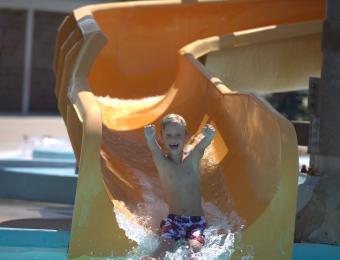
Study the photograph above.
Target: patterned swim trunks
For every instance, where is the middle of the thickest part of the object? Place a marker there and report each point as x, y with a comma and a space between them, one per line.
187, 227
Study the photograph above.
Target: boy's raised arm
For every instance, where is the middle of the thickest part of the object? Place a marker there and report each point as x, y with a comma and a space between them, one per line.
208, 133
150, 136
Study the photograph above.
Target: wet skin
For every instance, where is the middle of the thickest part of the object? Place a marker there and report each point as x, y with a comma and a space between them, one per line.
179, 173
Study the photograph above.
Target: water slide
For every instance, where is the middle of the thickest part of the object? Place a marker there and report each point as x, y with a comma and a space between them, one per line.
121, 66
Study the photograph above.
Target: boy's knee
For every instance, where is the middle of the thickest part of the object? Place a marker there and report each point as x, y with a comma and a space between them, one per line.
195, 245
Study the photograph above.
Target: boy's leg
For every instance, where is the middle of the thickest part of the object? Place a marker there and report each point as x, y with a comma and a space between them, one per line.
195, 233
170, 231
195, 245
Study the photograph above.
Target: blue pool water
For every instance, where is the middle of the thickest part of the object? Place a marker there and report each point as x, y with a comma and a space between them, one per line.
315, 251
30, 244
32, 253
33, 244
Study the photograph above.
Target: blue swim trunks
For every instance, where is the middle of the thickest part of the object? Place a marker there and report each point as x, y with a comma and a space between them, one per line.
187, 227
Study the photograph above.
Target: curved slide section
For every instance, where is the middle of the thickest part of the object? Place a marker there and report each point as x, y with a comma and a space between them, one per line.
124, 65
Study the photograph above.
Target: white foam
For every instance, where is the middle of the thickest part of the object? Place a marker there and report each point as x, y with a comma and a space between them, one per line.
11, 154
220, 241
142, 228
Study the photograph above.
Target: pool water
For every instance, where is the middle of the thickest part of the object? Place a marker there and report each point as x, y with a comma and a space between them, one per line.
315, 251
301, 252
33, 244
32, 253
27, 244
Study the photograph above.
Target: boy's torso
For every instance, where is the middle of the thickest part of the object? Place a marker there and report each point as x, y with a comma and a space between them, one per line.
181, 185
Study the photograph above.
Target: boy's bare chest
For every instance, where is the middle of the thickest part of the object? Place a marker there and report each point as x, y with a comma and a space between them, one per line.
180, 174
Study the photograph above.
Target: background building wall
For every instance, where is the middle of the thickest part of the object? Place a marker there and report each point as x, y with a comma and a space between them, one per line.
42, 98
12, 46
28, 31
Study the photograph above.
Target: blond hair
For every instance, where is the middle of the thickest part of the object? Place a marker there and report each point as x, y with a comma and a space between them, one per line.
173, 118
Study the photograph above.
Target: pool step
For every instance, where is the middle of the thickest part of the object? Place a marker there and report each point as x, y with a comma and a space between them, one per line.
20, 183
49, 176
53, 154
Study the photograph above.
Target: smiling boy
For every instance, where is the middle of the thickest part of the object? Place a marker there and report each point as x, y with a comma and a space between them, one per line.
180, 179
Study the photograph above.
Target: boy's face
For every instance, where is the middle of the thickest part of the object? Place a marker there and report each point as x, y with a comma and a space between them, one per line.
174, 137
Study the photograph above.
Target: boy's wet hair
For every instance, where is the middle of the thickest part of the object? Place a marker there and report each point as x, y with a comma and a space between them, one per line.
173, 118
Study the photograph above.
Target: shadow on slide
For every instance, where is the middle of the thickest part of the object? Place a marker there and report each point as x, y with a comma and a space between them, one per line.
124, 65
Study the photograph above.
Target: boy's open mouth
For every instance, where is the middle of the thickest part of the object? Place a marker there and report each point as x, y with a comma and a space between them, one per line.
173, 146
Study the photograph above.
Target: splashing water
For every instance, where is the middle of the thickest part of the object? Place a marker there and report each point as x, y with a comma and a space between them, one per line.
220, 241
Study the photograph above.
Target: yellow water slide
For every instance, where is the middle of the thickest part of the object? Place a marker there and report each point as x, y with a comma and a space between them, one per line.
121, 66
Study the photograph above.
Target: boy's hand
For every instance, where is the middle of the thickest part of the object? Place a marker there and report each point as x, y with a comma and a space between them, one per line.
209, 131
150, 136
150, 131
208, 134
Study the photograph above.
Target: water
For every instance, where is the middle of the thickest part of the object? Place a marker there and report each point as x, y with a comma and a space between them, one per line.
220, 243
34, 147
33, 244
41, 148
300, 252
220, 240
32, 253
315, 252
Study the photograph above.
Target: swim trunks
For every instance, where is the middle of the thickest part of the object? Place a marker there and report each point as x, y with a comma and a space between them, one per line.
187, 227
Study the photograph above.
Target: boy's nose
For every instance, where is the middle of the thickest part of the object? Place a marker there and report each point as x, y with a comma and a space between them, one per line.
172, 138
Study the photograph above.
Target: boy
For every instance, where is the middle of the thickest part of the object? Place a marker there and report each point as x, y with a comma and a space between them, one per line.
180, 179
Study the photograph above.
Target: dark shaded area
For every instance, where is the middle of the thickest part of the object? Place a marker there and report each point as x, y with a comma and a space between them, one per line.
302, 132
321, 214
39, 223
291, 104
309, 218
42, 80
12, 42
